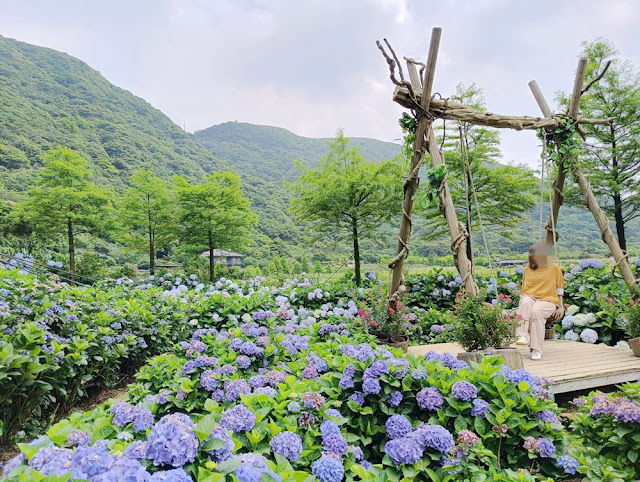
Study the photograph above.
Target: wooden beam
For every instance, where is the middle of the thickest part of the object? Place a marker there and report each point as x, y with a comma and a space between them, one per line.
450, 110
411, 184
620, 257
558, 182
456, 228
574, 106
416, 82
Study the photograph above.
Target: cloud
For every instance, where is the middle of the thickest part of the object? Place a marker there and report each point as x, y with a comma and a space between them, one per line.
312, 66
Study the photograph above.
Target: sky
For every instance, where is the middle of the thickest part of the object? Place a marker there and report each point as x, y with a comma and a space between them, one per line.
312, 66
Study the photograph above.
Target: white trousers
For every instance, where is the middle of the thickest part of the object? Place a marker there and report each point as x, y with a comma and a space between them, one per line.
533, 314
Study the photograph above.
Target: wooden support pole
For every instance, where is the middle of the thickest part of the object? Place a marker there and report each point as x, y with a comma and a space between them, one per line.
411, 184
542, 102
620, 256
456, 228
416, 82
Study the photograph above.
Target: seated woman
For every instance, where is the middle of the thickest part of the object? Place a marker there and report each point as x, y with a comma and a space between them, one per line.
541, 298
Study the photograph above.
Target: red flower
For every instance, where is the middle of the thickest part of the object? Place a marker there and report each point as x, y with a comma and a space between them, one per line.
372, 323
392, 311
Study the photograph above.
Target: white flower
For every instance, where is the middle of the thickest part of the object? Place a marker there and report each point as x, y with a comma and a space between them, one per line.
581, 319
572, 310
193, 322
571, 336
589, 336
622, 344
246, 317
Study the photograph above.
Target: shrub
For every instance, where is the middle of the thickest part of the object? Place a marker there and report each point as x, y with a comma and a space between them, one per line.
480, 325
632, 315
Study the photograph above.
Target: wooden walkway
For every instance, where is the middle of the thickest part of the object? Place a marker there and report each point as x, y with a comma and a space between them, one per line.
571, 365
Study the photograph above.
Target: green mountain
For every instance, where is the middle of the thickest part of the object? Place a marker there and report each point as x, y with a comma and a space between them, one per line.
49, 98
268, 152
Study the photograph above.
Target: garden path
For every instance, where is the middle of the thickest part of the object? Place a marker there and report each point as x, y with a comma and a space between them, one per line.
571, 365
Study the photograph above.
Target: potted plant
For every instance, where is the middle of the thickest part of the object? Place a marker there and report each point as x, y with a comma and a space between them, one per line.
483, 329
633, 326
387, 319
550, 329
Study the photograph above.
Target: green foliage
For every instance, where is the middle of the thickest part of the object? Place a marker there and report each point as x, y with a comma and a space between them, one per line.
346, 195
214, 214
609, 156
480, 325
147, 212
632, 314
65, 200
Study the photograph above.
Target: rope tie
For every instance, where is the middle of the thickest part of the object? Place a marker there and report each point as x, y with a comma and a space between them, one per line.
617, 265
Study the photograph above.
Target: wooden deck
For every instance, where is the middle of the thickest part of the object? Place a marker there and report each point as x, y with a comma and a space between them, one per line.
571, 365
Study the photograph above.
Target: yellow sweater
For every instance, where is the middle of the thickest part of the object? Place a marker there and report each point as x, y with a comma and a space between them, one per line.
544, 283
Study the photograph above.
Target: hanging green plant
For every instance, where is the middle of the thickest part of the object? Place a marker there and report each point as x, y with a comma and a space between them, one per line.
562, 144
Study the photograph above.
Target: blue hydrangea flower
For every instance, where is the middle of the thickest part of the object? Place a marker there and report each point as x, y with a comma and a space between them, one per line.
346, 382
143, 419
238, 419
293, 407
568, 463
223, 453
588, 335
371, 386
332, 412
480, 408
429, 399
335, 444
175, 475
173, 441
136, 450
329, 427
435, 437
398, 426
404, 450
243, 361
328, 469
590, 263
124, 468
547, 416
567, 322
79, 437
287, 444
92, 461
15, 461
234, 388
546, 448
464, 390
252, 467
394, 399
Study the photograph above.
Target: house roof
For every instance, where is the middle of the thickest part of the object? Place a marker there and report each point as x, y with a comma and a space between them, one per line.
222, 253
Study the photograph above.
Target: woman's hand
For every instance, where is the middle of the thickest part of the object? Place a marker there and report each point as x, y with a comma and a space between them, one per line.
559, 313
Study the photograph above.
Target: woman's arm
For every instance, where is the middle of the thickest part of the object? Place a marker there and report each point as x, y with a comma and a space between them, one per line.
559, 313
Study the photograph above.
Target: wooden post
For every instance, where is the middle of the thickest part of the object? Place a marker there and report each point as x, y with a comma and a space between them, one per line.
619, 255
456, 228
411, 184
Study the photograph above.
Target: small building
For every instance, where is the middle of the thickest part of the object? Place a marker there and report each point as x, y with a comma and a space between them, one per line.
225, 257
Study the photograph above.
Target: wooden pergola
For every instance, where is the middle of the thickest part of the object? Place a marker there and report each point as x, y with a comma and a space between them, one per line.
416, 94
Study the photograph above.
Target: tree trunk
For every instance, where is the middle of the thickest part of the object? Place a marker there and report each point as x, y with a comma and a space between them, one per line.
558, 199
356, 250
152, 256
211, 259
72, 250
617, 212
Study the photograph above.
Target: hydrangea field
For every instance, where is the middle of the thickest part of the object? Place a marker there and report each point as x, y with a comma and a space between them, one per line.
240, 381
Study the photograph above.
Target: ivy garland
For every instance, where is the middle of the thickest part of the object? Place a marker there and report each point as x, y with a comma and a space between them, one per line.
562, 143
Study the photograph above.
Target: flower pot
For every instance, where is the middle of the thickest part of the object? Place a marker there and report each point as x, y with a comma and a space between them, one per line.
550, 333
473, 356
511, 356
401, 342
634, 343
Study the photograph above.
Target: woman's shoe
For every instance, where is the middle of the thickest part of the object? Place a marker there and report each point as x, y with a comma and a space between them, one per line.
522, 340
536, 355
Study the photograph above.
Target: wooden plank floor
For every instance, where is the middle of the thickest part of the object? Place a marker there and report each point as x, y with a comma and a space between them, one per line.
571, 365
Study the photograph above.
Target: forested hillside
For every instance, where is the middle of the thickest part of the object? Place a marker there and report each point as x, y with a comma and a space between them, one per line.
49, 98
268, 152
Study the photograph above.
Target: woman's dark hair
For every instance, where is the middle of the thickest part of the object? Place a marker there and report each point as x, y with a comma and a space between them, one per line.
536, 249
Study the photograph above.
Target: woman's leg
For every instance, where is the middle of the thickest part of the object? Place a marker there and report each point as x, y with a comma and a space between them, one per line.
540, 312
525, 314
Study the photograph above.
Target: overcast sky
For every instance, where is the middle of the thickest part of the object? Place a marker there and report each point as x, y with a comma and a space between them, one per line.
312, 66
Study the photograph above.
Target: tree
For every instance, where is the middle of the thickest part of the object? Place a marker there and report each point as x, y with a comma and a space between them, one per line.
214, 214
347, 196
305, 265
611, 154
147, 210
504, 192
65, 200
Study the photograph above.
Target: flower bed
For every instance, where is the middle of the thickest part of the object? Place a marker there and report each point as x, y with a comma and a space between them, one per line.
263, 388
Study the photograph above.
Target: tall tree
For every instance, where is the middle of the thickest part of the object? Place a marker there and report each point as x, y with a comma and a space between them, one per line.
214, 214
347, 196
611, 154
504, 192
147, 212
65, 200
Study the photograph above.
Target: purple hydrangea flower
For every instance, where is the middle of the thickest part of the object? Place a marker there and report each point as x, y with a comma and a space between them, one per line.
394, 399
435, 437
335, 444
546, 448
79, 437
430, 399
310, 372
173, 441
175, 475
568, 463
124, 468
398, 426
346, 382
547, 416
358, 397
234, 388
328, 469
403, 450
223, 453
243, 362
313, 400
136, 450
287, 444
464, 390
371, 386
480, 408
238, 419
